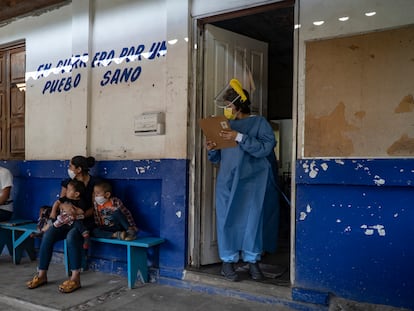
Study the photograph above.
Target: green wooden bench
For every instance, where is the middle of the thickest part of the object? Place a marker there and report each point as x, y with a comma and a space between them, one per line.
136, 256
15, 235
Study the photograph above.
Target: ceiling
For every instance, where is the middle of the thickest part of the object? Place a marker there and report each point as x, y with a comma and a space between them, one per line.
10, 9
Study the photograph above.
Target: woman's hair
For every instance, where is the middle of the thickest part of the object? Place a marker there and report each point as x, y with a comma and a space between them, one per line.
84, 163
243, 107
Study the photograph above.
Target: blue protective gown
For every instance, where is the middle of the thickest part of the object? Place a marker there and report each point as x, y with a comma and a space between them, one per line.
247, 203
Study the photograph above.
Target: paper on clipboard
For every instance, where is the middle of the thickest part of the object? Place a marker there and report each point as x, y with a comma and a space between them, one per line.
212, 126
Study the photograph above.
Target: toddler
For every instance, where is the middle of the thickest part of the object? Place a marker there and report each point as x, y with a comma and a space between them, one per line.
71, 210
112, 218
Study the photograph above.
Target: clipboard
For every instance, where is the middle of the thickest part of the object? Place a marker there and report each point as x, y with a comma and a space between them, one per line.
212, 126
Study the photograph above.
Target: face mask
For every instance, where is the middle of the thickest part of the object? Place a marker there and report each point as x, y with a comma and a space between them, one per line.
228, 113
71, 174
100, 200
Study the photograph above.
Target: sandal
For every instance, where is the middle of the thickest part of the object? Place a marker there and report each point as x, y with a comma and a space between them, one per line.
120, 235
69, 286
36, 282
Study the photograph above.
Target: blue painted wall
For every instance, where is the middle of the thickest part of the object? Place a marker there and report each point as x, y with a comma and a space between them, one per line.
355, 229
354, 220
155, 191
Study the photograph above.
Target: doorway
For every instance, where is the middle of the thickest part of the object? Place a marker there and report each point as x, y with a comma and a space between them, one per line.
274, 26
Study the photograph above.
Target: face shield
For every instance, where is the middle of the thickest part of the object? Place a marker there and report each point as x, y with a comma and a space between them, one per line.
231, 92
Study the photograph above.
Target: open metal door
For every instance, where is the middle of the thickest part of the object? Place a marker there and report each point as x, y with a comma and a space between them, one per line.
227, 55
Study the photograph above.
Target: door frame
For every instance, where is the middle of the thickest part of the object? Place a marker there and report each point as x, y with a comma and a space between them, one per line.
195, 138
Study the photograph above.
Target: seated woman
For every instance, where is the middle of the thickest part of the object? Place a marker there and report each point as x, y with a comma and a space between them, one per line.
78, 169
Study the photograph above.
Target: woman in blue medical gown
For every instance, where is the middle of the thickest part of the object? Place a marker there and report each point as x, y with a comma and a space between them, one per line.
247, 204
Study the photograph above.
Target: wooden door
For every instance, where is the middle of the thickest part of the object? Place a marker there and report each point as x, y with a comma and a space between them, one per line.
12, 101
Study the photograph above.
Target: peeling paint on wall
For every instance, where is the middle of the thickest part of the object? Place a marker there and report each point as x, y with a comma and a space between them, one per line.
311, 169
402, 147
303, 215
362, 166
370, 230
406, 104
354, 171
324, 166
379, 181
348, 229
141, 169
328, 134
360, 114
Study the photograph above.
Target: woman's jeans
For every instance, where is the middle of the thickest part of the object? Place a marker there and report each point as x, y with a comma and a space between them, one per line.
74, 243
5, 215
120, 224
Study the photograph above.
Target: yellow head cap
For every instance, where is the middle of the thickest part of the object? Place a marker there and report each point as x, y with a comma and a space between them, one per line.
236, 85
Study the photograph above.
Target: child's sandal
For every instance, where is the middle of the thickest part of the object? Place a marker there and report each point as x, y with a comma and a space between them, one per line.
36, 282
120, 235
130, 235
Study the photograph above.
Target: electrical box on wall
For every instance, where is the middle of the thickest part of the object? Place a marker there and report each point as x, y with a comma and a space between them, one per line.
150, 123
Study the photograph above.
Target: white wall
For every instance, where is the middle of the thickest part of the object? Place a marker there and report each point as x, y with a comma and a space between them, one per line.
119, 25
99, 120
97, 117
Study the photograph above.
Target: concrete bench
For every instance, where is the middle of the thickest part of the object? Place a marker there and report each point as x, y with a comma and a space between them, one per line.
15, 235
136, 256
